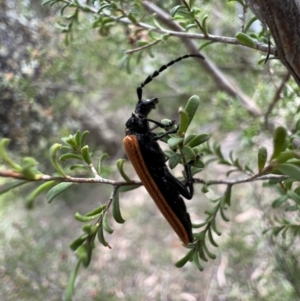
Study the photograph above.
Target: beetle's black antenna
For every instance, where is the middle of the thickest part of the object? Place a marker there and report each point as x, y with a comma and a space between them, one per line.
139, 90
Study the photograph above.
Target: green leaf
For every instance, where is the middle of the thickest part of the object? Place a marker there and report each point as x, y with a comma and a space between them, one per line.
68, 293
58, 189
84, 253
188, 153
279, 141
14, 184
287, 155
77, 137
176, 8
85, 153
174, 142
84, 218
227, 195
105, 224
251, 21
197, 140
210, 237
64, 157
78, 242
181, 262
96, 211
82, 138
184, 121
101, 237
5, 157
174, 160
120, 166
192, 106
294, 196
35, 193
204, 27
116, 209
53, 158
245, 39
129, 187
289, 170
209, 254
277, 202
100, 162
262, 158
197, 262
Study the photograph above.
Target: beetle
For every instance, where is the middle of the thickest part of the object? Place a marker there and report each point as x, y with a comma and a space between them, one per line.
149, 162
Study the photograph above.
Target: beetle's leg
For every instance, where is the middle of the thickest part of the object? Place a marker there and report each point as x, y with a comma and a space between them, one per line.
186, 190
159, 124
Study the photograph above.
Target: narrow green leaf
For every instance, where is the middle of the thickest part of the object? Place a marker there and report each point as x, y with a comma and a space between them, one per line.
35, 193
105, 224
116, 209
82, 138
197, 140
5, 157
192, 106
77, 137
100, 162
129, 187
188, 153
78, 242
174, 142
188, 138
210, 237
53, 158
277, 202
294, 196
174, 160
85, 153
251, 21
209, 254
262, 158
84, 218
96, 211
181, 262
197, 262
120, 166
204, 26
14, 184
245, 39
101, 237
176, 8
279, 141
84, 253
64, 157
289, 170
227, 195
184, 121
68, 293
58, 189
214, 226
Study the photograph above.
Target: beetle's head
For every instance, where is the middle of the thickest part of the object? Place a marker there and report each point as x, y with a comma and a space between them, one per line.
144, 107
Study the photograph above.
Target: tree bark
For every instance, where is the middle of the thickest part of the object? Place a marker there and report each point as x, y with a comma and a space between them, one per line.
283, 19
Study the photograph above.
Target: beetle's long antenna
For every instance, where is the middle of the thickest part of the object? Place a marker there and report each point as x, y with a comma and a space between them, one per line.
139, 90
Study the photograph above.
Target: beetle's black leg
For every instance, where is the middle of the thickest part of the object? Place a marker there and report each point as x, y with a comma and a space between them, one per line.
159, 124
188, 191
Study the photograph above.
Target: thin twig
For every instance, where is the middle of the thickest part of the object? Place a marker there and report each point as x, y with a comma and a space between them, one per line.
42, 178
276, 98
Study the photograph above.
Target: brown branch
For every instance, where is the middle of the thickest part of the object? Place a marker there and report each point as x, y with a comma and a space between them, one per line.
276, 98
220, 79
282, 18
43, 178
